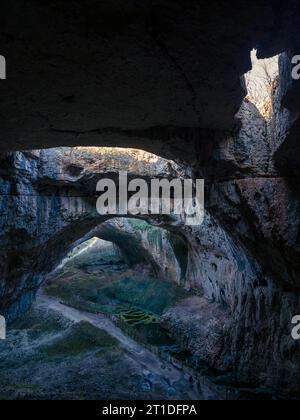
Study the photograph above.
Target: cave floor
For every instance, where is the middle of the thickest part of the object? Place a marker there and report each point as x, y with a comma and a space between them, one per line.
73, 350
94, 333
57, 352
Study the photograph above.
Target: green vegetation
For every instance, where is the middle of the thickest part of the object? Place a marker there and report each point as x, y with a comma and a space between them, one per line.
34, 325
136, 317
100, 282
82, 338
47, 356
78, 283
149, 294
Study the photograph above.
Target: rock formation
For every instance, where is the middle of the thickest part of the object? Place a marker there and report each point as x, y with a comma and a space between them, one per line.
164, 77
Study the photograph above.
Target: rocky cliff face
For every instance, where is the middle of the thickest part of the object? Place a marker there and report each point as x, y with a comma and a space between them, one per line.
241, 265
152, 75
48, 204
177, 99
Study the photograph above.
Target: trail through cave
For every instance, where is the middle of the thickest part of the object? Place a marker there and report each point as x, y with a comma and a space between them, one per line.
95, 310
218, 272
159, 89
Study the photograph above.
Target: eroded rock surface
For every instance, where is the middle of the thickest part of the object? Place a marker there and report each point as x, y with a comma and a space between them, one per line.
165, 77
149, 75
241, 263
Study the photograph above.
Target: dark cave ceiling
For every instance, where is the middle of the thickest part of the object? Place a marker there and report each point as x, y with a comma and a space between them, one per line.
130, 73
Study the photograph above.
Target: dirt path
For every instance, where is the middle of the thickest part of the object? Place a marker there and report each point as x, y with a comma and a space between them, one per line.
148, 361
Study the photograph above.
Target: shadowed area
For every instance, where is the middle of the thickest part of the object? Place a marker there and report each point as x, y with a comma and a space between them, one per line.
157, 89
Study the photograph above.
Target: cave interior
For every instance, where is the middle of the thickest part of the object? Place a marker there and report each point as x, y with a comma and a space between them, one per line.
159, 89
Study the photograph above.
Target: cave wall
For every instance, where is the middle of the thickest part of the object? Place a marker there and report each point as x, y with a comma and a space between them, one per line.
152, 75
178, 70
235, 264
48, 205
287, 123
154, 248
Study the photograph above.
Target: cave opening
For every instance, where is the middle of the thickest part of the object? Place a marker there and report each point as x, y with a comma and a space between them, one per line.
262, 82
156, 283
159, 310
106, 285
132, 278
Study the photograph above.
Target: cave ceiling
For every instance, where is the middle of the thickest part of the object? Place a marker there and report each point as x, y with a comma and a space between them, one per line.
154, 75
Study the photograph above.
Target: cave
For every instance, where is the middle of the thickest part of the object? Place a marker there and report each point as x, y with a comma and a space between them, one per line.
158, 89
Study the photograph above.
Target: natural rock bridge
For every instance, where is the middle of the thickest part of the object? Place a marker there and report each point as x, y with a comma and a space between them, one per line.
164, 77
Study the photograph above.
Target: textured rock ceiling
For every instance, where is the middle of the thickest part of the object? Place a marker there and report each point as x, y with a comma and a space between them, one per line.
129, 73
